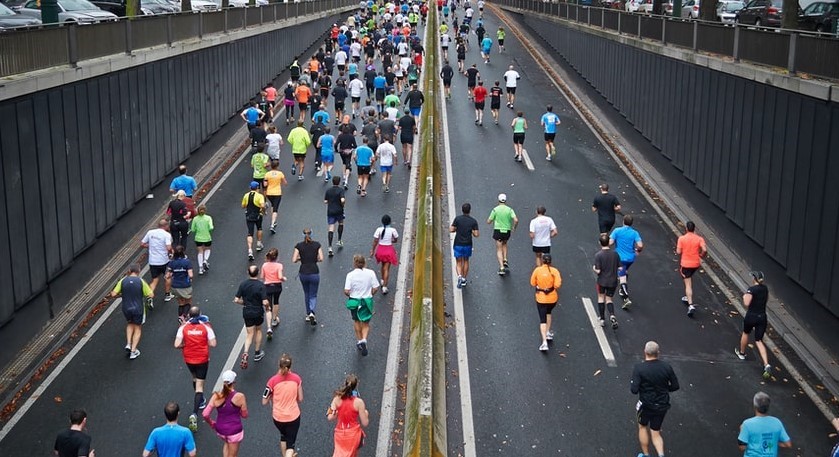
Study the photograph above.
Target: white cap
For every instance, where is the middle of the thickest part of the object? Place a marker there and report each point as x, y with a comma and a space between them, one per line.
228, 377
502, 198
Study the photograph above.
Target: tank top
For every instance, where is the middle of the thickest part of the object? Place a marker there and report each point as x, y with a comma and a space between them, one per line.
229, 419
518, 127
272, 272
347, 415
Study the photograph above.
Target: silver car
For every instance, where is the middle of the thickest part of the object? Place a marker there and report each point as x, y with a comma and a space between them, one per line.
727, 10
70, 11
690, 9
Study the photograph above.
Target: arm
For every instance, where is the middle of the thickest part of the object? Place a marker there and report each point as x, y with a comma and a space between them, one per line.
295, 257
242, 403
476, 233
375, 243
299, 393
320, 254
332, 410
635, 382
363, 414
212, 342
639, 246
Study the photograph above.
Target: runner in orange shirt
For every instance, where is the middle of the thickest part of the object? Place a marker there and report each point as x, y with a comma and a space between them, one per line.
302, 95
691, 247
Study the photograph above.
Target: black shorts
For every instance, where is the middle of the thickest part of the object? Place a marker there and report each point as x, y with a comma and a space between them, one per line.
273, 291
605, 226
544, 310
198, 370
134, 316
518, 138
346, 159
275, 201
253, 320
303, 106
500, 236
756, 322
356, 99
288, 431
205, 244
501, 42
342, 67
607, 291
480, 105
687, 272
550, 136
447, 82
495, 104
354, 315
652, 418
461, 57
380, 95
157, 270
511, 90
363, 170
542, 249
254, 226
339, 105
406, 139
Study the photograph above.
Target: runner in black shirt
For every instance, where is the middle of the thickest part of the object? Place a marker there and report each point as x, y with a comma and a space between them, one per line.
495, 94
605, 205
339, 93
407, 127
465, 227
606, 263
346, 147
652, 381
335, 198
447, 73
472, 76
754, 299
73, 442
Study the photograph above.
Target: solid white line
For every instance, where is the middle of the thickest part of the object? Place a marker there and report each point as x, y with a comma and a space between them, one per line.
599, 333
233, 357
459, 317
390, 386
527, 162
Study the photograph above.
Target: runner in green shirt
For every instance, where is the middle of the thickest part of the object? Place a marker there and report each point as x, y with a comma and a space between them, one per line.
259, 163
202, 232
499, 36
299, 140
504, 221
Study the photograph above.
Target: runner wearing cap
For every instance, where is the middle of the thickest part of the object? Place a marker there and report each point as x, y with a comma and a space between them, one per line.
231, 407
754, 299
504, 221
254, 204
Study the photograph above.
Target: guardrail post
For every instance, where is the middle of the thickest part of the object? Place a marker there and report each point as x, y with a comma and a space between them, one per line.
736, 53
603, 18
664, 30
261, 16
169, 30
226, 29
129, 45
695, 35
619, 22
274, 7
793, 44
72, 45
200, 25
588, 19
639, 25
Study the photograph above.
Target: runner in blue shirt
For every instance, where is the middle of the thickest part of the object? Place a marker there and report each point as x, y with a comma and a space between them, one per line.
252, 115
321, 116
171, 439
549, 123
326, 143
486, 47
364, 158
183, 182
627, 242
379, 89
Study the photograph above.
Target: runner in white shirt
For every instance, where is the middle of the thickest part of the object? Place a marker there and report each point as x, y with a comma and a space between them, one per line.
469, 13
399, 19
511, 78
159, 243
402, 48
359, 287
386, 156
445, 39
542, 229
383, 250
274, 141
355, 51
341, 61
356, 89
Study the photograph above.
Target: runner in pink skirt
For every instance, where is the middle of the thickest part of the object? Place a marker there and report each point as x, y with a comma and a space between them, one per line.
383, 250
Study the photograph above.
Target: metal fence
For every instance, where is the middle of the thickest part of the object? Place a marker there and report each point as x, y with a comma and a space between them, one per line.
793, 50
31, 49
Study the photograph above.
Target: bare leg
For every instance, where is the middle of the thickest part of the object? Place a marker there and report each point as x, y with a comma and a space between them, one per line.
644, 439
761, 348
658, 442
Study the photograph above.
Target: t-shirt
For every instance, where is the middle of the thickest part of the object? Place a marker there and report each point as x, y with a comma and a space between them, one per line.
273, 141
258, 135
184, 183
274, 178
541, 228
72, 443
760, 295
272, 272
283, 391
511, 78
346, 142
252, 115
386, 153
253, 211
196, 342
546, 278
356, 88
387, 127
471, 76
607, 261
447, 72
308, 257
406, 127
132, 289
333, 198
486, 44
495, 93
386, 235
159, 242
480, 94
180, 272
549, 120
605, 205
302, 94
445, 39
327, 145
170, 440
414, 99
321, 117
502, 217
626, 238
360, 282
690, 245
761, 435
252, 292
299, 140
363, 156
653, 380
259, 162
464, 225
202, 228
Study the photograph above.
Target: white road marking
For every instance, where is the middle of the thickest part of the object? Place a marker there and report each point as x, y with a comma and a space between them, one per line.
527, 162
599, 333
390, 386
233, 357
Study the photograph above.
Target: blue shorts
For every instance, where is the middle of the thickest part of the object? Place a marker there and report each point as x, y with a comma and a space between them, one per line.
462, 252
415, 111
624, 267
386, 168
327, 158
334, 219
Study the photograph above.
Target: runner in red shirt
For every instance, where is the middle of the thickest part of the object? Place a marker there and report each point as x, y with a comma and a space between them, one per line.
196, 337
479, 94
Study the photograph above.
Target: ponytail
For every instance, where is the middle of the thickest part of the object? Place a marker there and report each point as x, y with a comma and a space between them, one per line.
385, 224
307, 235
285, 364
346, 390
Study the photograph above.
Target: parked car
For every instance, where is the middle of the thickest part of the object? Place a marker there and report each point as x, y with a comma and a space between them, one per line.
78, 11
667, 8
9, 18
690, 9
243, 3
727, 10
761, 12
639, 6
819, 16
147, 7
197, 5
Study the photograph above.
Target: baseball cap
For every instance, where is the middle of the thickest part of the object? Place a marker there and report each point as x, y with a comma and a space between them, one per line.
502, 198
758, 275
228, 377
254, 185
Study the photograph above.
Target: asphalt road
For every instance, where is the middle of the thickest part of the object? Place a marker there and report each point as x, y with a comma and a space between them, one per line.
569, 401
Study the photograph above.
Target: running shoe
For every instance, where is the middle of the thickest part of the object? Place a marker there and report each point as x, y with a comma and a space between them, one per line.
259, 246
549, 336
243, 364
127, 349
544, 346
326, 177
206, 266
358, 345
200, 272
685, 299
363, 192
465, 282
294, 169
740, 355
250, 256
150, 302
460, 282
502, 272
548, 158
614, 321
387, 189
269, 334
602, 323
358, 190
273, 229
626, 303
340, 244
168, 296
193, 423
767, 371
553, 150
346, 187
364, 350
307, 318
299, 177
691, 310
275, 322
384, 290
506, 265
134, 354
312, 319
258, 355
331, 253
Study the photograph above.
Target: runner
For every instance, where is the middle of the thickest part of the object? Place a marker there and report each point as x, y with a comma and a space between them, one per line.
253, 297
479, 94
308, 252
755, 299
364, 158
326, 144
183, 182
270, 95
465, 227
606, 264
334, 199
232, 407
284, 391
315, 131
547, 281
386, 156
202, 231
274, 143
380, 88
195, 337
179, 275
350, 415
511, 78
359, 287
288, 102
691, 247
447, 73
383, 250
762, 435
519, 126
460, 48
414, 99
542, 229
652, 381
486, 48
339, 93
302, 94
159, 243
472, 77
605, 205
134, 292
272, 276
260, 163
74, 442
171, 439
407, 128
346, 147
499, 36
294, 69
356, 88
251, 115
495, 93
445, 40
549, 122
299, 140
273, 182
504, 222
628, 244
254, 204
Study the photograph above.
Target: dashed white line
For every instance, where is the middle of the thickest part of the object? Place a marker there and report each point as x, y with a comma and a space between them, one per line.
527, 162
599, 333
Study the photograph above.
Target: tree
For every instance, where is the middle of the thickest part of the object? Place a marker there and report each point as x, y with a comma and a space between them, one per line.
790, 16
708, 10
186, 5
132, 8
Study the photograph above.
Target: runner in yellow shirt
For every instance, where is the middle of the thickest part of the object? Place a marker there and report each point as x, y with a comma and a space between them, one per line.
274, 182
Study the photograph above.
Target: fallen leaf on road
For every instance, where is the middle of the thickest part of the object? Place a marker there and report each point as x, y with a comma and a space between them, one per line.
58, 399
597, 372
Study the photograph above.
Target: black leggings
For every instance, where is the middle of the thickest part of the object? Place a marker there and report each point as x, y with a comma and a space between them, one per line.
288, 431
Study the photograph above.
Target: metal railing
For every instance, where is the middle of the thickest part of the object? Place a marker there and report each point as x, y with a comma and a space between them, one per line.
29, 49
793, 50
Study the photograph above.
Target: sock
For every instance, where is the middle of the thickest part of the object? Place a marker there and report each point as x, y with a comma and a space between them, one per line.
206, 255
625, 289
329, 237
601, 308
340, 231
611, 307
200, 260
197, 402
